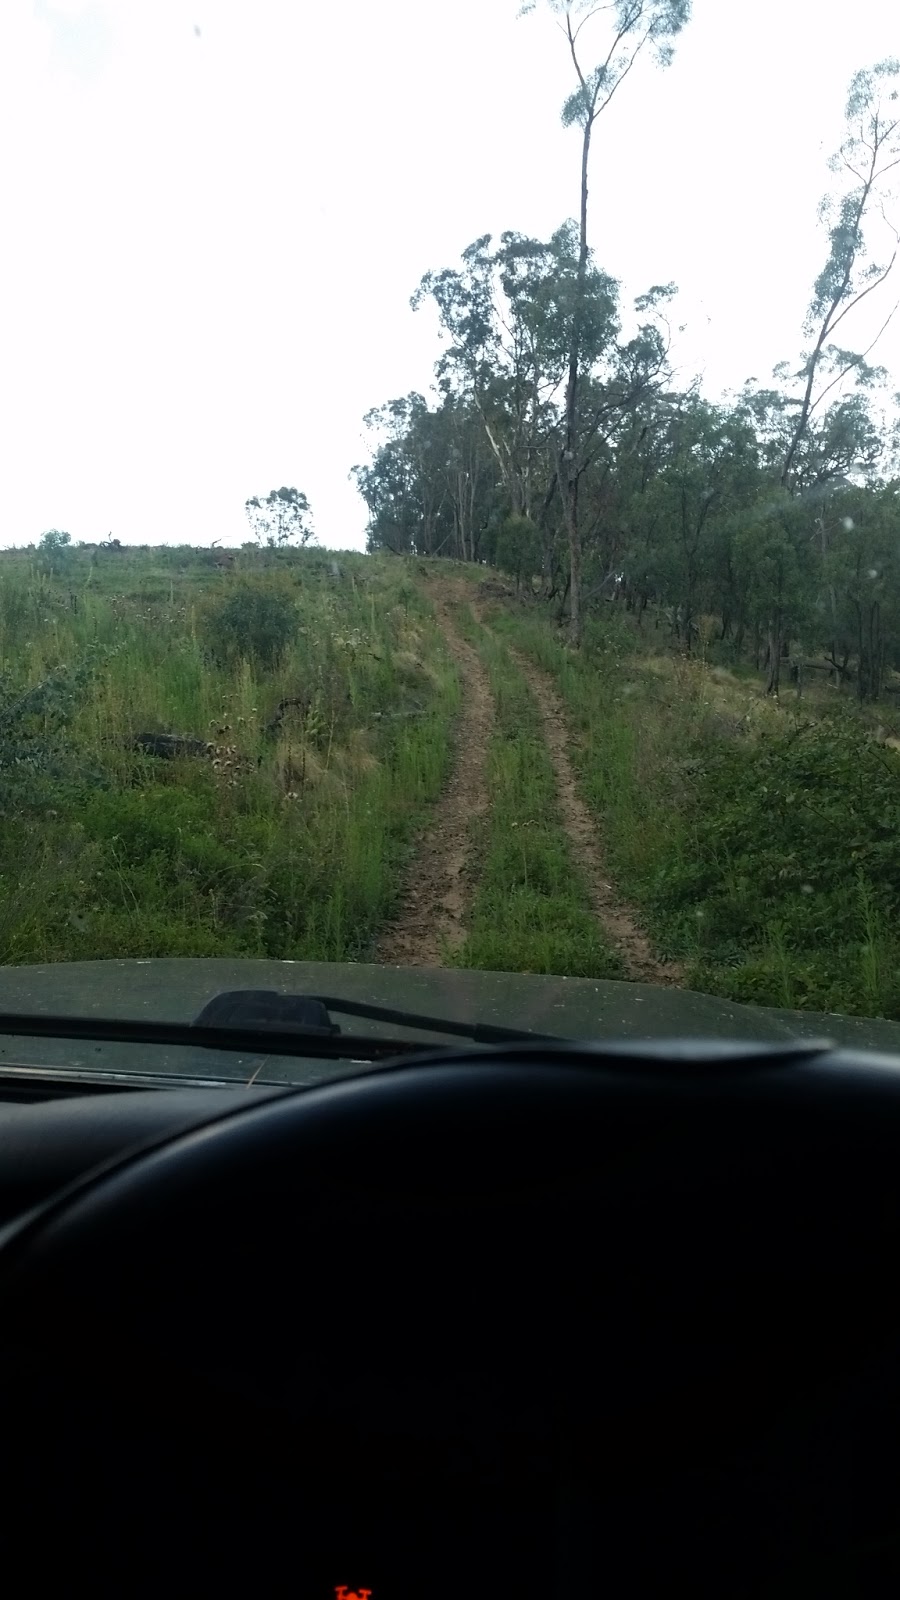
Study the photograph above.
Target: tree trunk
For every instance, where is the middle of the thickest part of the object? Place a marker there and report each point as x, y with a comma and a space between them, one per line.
871, 654
852, 231
838, 668
775, 642
569, 466
876, 650
861, 674
574, 584
687, 613
475, 542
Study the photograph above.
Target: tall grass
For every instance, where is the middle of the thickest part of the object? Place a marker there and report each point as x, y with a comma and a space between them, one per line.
876, 956
291, 844
627, 751
763, 848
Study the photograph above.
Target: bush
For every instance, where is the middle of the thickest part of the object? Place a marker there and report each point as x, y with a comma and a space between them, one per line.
518, 547
55, 548
254, 621
37, 759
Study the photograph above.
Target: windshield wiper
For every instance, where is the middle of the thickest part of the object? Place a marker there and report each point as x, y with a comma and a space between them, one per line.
266, 1008
293, 1025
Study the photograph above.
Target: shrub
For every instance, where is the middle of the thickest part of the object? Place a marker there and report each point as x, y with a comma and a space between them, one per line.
55, 548
254, 621
518, 547
36, 753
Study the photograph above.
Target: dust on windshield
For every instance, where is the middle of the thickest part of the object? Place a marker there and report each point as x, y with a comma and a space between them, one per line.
450, 510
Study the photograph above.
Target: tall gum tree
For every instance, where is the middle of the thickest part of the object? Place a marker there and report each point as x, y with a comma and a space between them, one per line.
506, 314
632, 28
867, 166
829, 444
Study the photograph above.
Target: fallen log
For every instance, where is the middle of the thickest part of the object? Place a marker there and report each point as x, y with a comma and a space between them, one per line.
393, 716
169, 746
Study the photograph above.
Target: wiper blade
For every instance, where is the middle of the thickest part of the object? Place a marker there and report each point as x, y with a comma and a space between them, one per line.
281, 1038
246, 1041
479, 1032
264, 1008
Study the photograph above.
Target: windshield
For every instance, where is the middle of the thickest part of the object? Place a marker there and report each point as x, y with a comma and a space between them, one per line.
450, 517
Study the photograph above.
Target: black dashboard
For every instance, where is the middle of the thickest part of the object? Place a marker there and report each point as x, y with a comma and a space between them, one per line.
49, 1143
529, 1321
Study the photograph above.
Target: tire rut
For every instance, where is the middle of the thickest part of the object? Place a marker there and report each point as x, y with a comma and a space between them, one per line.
617, 919
432, 917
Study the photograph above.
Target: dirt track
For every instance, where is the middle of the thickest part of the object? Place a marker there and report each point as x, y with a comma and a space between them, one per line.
432, 915
432, 919
615, 918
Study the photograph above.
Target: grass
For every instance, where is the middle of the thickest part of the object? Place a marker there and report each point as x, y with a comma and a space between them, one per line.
530, 912
762, 843
626, 751
286, 843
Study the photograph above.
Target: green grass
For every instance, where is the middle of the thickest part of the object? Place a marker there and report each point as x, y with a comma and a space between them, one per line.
626, 751
291, 847
769, 864
530, 912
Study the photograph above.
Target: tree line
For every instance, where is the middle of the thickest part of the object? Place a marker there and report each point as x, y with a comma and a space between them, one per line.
559, 446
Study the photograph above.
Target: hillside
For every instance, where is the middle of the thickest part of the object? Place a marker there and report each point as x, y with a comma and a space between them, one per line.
295, 754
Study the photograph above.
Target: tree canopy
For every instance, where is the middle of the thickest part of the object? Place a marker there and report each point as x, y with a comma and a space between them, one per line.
771, 516
281, 518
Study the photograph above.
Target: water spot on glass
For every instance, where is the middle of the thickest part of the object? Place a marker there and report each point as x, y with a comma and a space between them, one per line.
848, 524
806, 888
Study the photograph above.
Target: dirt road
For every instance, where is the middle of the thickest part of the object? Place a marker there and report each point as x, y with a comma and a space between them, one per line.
618, 921
431, 920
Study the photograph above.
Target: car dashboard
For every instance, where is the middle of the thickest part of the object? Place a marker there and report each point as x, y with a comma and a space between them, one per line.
539, 1320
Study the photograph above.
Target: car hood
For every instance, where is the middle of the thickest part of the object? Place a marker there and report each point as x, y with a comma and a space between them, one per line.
175, 991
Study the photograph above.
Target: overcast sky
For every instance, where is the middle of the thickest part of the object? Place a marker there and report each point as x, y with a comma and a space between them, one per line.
215, 213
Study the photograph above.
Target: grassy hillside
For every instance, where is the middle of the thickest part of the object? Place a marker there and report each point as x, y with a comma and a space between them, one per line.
760, 839
286, 836
755, 843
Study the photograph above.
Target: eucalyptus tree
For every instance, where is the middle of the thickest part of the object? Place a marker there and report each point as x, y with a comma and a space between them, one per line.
504, 313
280, 517
630, 29
866, 166
818, 431
402, 484
430, 486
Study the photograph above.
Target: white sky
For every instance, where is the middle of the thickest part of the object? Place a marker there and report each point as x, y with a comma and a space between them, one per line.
211, 239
